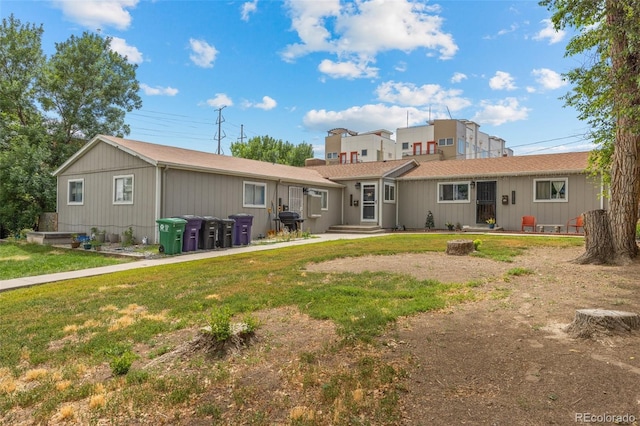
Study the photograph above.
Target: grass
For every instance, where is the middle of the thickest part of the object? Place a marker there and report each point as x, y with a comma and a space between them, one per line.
74, 326
23, 260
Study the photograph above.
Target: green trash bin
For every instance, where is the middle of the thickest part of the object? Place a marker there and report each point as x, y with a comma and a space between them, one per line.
171, 231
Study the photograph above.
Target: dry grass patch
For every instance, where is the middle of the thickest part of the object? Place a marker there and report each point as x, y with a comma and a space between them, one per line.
35, 374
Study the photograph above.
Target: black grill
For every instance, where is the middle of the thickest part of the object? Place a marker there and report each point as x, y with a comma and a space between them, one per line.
291, 220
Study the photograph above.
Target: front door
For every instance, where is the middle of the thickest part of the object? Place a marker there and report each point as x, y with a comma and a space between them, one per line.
369, 202
485, 201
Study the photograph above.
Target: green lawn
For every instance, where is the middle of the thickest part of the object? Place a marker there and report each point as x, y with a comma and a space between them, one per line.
24, 260
94, 320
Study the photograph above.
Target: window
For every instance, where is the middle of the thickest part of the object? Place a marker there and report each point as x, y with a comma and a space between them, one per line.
550, 190
461, 146
76, 192
332, 156
324, 198
254, 194
389, 193
123, 189
405, 145
455, 192
363, 153
445, 142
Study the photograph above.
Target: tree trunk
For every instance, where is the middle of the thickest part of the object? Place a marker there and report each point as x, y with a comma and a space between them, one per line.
598, 239
625, 168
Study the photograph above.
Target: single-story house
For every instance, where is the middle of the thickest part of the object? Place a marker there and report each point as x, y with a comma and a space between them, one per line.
553, 188
113, 184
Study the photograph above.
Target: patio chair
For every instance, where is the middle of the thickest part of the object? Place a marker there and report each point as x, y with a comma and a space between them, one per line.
529, 222
576, 223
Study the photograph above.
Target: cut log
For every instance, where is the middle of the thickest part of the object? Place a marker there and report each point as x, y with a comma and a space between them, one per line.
459, 247
589, 322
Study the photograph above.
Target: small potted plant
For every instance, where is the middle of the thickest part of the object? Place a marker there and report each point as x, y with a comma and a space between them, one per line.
492, 222
449, 226
75, 242
96, 244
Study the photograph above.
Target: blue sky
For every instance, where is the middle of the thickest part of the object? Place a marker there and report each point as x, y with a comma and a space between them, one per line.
295, 69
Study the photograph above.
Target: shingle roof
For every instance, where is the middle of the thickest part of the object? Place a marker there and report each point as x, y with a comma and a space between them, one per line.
367, 170
208, 162
572, 162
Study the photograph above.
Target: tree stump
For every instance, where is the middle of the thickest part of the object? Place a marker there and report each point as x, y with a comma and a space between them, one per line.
459, 247
588, 322
598, 241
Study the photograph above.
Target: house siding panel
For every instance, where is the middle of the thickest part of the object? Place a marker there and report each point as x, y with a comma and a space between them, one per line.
193, 193
420, 196
98, 167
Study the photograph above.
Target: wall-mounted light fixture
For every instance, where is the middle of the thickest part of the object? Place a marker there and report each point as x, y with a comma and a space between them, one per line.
357, 185
473, 184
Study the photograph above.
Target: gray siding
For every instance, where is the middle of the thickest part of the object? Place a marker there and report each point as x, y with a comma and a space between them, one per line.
417, 197
98, 168
192, 193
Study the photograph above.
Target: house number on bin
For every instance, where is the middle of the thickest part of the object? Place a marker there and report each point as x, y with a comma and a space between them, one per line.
164, 228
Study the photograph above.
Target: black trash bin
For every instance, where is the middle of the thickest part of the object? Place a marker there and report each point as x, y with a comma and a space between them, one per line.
208, 233
191, 237
242, 228
225, 233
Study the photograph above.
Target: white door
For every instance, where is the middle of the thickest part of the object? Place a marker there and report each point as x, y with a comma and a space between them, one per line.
369, 199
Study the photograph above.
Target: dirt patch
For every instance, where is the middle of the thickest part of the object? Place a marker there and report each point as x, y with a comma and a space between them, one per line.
508, 361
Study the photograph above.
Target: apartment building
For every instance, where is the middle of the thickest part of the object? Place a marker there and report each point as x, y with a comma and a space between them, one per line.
437, 140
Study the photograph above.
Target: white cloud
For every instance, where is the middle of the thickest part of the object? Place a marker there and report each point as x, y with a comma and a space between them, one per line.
549, 79
458, 77
401, 66
431, 95
549, 33
357, 31
158, 90
132, 53
248, 8
203, 54
505, 111
98, 14
268, 103
347, 69
220, 100
502, 81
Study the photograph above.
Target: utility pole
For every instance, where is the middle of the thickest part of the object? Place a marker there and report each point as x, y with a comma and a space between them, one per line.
242, 136
219, 122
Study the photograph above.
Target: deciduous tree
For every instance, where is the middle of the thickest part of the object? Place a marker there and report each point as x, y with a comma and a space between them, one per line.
266, 148
607, 94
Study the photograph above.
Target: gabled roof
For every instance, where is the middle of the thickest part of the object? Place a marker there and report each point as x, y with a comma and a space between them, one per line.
367, 170
187, 159
526, 165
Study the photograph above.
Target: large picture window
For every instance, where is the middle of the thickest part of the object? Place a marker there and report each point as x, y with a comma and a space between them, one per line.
453, 192
123, 189
550, 190
254, 194
76, 192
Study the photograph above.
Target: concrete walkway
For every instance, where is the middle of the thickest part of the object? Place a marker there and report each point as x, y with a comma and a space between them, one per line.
61, 276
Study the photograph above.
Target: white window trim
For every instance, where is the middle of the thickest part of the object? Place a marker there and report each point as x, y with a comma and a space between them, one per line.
552, 200
115, 178
74, 203
244, 188
326, 197
467, 201
385, 200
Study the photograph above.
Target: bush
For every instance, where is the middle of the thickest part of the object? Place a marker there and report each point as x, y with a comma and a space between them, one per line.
120, 365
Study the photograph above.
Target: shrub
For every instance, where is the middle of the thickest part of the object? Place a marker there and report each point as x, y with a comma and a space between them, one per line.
120, 365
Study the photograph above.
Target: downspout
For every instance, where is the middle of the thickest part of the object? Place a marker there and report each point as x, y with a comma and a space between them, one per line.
342, 206
380, 201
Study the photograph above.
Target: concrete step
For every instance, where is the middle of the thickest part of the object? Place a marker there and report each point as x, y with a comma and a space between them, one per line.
355, 229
